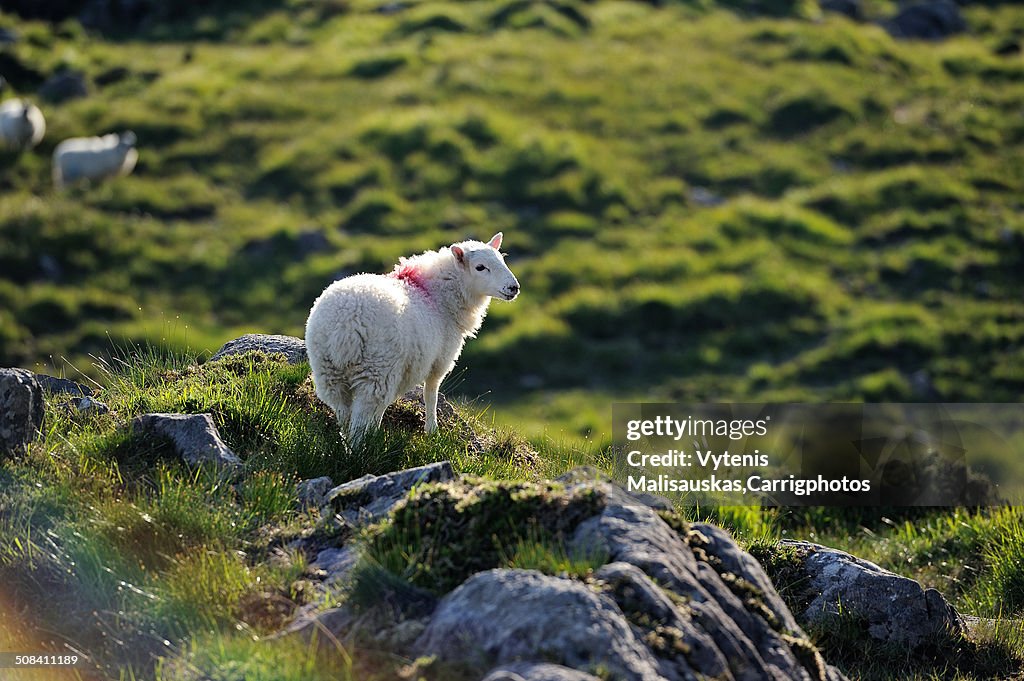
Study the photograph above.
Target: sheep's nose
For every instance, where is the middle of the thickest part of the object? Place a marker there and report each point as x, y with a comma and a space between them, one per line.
513, 289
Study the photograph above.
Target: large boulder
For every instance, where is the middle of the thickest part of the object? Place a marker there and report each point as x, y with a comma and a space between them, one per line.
21, 410
733, 616
291, 347
502, 616
892, 608
195, 437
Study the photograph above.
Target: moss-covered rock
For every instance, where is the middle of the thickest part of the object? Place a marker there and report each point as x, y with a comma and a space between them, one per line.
444, 533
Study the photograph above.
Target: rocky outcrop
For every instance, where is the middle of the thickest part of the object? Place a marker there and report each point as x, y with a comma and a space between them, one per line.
194, 436
291, 347
661, 600
733, 619
664, 601
21, 410
893, 609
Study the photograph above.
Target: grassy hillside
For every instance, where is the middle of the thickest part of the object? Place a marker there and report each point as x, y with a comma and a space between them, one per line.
865, 240
111, 547
703, 200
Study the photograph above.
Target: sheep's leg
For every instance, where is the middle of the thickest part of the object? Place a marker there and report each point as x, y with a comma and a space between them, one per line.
334, 391
430, 387
343, 410
367, 412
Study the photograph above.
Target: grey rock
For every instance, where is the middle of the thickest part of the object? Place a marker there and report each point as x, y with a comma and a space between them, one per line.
895, 609
588, 476
63, 386
851, 8
286, 245
312, 493
311, 241
64, 86
504, 616
702, 196
293, 348
369, 498
402, 635
931, 20
195, 437
326, 625
21, 410
736, 561
538, 671
743, 625
334, 565
635, 592
86, 405
50, 267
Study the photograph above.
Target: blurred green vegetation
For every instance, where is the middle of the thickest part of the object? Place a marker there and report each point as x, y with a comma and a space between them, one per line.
703, 201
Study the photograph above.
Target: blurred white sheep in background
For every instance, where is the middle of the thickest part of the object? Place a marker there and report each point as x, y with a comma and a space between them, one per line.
22, 125
93, 158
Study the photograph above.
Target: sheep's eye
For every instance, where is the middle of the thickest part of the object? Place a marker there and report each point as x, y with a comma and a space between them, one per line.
481, 268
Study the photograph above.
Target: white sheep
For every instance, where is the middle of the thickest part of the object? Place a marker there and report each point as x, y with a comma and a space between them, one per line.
22, 125
372, 337
93, 158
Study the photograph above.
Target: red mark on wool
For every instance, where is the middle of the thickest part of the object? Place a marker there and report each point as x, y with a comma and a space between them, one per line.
412, 276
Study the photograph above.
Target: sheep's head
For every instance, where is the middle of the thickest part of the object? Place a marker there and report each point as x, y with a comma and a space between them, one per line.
486, 273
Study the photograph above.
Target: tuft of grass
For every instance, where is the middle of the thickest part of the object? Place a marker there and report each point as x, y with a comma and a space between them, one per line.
539, 552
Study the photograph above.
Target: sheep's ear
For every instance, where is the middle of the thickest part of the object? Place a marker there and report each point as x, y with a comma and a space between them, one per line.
495, 241
459, 254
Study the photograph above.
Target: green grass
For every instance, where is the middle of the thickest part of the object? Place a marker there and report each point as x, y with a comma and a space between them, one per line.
112, 532
868, 232
868, 237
